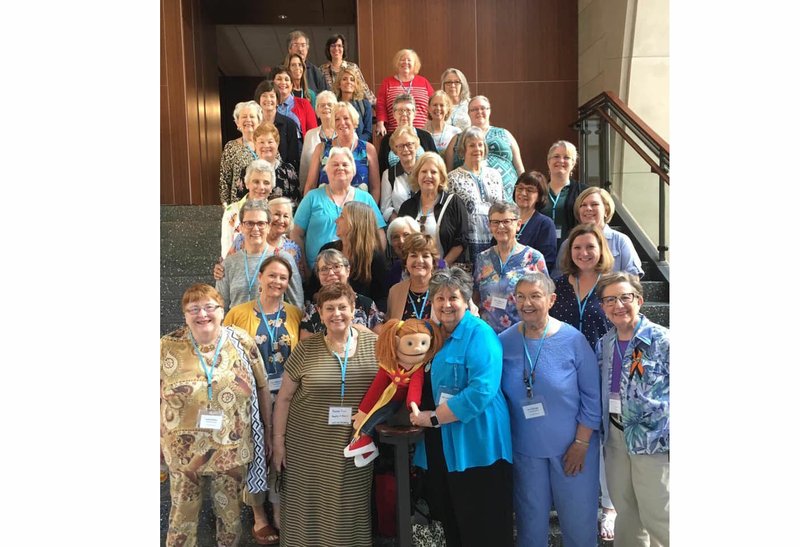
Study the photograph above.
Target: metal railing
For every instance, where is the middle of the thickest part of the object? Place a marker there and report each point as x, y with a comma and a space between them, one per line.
606, 113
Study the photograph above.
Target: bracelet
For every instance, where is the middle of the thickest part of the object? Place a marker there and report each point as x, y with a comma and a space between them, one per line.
581, 442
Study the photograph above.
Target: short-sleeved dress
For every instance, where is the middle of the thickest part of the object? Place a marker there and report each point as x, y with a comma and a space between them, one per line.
325, 498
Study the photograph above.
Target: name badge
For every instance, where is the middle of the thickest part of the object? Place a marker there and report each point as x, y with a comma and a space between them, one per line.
533, 407
499, 302
614, 404
340, 415
275, 380
210, 420
446, 394
481, 208
558, 233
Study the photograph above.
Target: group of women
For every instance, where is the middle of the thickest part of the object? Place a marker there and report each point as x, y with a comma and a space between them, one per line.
528, 285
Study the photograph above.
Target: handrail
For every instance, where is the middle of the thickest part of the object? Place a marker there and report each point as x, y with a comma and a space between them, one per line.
614, 114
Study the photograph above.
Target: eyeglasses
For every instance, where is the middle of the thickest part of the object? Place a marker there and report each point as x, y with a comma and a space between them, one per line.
505, 222
523, 189
480, 109
209, 309
452, 82
528, 298
335, 268
250, 224
404, 110
407, 146
626, 298
299, 44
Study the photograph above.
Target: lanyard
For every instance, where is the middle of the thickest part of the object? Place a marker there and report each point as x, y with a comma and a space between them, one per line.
555, 203
529, 379
616, 341
271, 332
478, 182
406, 90
251, 280
504, 264
582, 307
209, 372
519, 233
418, 314
343, 364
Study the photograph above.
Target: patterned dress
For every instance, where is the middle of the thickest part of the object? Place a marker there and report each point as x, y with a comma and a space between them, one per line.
477, 193
361, 178
593, 324
495, 283
325, 498
499, 156
235, 159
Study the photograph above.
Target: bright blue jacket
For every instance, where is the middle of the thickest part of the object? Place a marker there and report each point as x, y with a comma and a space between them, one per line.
472, 359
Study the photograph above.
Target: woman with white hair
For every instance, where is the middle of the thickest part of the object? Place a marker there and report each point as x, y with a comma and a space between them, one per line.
259, 178
315, 219
406, 80
238, 153
326, 102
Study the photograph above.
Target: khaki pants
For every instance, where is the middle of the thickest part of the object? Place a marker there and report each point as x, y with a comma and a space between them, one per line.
187, 497
639, 489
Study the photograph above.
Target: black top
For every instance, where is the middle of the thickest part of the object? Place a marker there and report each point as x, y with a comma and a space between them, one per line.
455, 222
375, 288
290, 145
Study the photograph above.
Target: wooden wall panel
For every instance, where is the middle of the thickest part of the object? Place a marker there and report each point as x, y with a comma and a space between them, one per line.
521, 54
190, 129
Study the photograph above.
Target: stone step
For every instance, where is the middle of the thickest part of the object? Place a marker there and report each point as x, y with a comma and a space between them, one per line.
178, 265
655, 291
191, 212
657, 312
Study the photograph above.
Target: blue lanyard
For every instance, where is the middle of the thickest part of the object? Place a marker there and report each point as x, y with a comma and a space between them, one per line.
616, 341
406, 90
504, 264
478, 182
418, 314
519, 233
582, 307
247, 277
529, 379
253, 152
555, 203
209, 372
343, 364
271, 332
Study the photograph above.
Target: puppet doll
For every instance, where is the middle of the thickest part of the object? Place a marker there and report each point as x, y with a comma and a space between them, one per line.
402, 349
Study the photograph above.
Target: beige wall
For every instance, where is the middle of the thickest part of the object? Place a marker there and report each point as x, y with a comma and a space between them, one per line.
623, 46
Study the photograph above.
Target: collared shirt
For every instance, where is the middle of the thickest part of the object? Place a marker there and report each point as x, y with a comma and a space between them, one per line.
645, 398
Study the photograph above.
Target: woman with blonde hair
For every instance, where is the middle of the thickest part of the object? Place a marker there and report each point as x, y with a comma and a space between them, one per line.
406, 80
358, 241
348, 88
439, 126
562, 191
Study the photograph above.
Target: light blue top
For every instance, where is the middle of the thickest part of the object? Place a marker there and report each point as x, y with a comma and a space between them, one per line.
645, 398
625, 257
566, 376
317, 215
482, 434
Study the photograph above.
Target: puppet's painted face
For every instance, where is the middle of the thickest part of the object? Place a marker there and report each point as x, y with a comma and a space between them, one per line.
411, 348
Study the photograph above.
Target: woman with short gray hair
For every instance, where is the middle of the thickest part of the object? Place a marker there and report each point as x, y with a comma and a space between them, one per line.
551, 382
467, 444
259, 179
498, 269
238, 153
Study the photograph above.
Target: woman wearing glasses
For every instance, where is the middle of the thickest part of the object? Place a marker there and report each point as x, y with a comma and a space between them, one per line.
502, 152
395, 186
440, 213
333, 267
478, 186
551, 385
274, 326
454, 83
498, 268
634, 360
405, 113
214, 403
325, 499
240, 270
536, 230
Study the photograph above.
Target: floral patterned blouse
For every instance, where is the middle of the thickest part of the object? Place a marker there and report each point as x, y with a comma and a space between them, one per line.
496, 282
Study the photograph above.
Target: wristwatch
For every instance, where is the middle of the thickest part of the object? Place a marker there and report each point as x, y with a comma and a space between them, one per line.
435, 420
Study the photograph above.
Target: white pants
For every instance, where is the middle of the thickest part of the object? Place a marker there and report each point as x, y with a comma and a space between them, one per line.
639, 489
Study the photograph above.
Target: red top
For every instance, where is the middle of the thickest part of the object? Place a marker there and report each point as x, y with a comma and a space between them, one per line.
305, 113
408, 387
419, 88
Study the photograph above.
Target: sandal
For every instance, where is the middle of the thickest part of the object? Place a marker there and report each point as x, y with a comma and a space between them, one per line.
266, 535
607, 525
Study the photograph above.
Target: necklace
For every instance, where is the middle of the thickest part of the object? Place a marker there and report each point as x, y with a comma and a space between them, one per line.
418, 295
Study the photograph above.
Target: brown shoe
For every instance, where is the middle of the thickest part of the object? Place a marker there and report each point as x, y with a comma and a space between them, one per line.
266, 535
